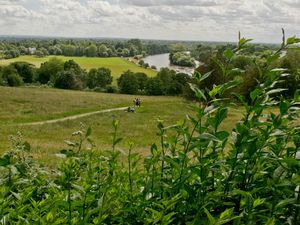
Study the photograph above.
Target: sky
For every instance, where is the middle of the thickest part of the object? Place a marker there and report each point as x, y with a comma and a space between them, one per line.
199, 20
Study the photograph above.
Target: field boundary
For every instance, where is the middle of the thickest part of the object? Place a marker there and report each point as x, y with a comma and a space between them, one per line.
74, 117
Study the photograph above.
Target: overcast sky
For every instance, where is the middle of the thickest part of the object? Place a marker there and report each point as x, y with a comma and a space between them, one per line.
215, 20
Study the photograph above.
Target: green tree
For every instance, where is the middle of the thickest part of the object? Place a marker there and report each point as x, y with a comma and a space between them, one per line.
99, 78
91, 51
154, 86
68, 50
39, 53
128, 83
142, 79
78, 73
25, 70
10, 77
48, 70
103, 51
125, 52
44, 51
66, 80
182, 59
165, 75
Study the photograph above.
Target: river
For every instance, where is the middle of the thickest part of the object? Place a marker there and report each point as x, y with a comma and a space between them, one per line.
162, 60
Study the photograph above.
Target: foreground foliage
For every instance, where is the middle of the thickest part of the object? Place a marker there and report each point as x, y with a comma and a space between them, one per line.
198, 174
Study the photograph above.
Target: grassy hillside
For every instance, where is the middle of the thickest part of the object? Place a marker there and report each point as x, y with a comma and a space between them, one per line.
23, 105
116, 64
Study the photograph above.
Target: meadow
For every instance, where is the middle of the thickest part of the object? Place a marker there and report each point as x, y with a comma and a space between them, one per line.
117, 65
19, 106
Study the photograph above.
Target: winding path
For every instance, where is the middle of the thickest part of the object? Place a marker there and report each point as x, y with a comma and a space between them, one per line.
69, 117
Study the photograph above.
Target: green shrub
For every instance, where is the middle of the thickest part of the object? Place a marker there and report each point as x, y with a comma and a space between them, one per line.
14, 80
111, 89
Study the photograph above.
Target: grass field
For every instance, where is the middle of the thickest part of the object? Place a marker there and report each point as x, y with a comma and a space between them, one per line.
116, 65
21, 105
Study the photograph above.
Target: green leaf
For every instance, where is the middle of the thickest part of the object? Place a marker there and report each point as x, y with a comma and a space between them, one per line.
49, 217
222, 135
243, 42
210, 217
272, 58
284, 106
228, 85
117, 141
199, 94
209, 137
228, 54
254, 94
70, 143
26, 146
221, 115
88, 132
115, 123
197, 75
205, 76
275, 91
285, 202
292, 40
214, 91
154, 149
227, 213
4, 161
271, 221
258, 202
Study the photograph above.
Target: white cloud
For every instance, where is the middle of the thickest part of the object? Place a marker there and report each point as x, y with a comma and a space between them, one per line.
161, 19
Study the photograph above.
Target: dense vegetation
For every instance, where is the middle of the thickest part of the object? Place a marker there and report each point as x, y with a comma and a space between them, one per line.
69, 75
11, 48
198, 174
180, 57
246, 70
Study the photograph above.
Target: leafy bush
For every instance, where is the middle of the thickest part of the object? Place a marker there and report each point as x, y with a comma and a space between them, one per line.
111, 89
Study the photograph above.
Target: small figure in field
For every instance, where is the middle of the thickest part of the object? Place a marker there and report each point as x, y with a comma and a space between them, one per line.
138, 102
130, 109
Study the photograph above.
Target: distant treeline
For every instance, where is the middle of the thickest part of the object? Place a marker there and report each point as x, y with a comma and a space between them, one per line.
91, 48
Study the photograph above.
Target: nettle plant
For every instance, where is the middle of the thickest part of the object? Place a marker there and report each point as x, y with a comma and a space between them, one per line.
200, 173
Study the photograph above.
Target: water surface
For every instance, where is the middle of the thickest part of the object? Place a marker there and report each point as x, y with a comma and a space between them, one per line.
162, 60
